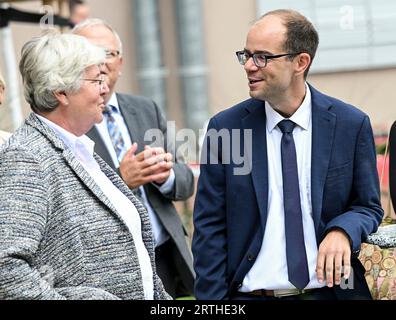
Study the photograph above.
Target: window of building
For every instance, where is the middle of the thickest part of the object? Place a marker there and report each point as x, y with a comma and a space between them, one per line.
354, 34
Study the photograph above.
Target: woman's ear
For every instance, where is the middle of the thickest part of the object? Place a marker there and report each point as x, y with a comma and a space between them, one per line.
61, 97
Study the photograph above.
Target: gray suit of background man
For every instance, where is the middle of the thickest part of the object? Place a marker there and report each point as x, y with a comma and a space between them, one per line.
149, 171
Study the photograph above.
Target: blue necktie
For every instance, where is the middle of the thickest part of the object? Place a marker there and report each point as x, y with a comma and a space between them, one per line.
114, 132
297, 265
117, 140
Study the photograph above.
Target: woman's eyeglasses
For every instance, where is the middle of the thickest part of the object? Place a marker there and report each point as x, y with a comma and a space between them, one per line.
100, 81
111, 54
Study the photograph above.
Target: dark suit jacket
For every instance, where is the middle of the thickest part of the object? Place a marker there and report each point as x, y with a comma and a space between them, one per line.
230, 211
141, 114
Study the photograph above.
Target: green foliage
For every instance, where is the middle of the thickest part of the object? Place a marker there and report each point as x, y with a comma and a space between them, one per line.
380, 148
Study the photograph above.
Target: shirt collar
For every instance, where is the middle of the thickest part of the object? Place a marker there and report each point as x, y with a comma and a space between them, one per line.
69, 138
114, 102
301, 117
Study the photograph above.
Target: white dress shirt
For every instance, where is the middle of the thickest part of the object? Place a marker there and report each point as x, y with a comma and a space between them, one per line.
159, 231
83, 148
4, 136
270, 268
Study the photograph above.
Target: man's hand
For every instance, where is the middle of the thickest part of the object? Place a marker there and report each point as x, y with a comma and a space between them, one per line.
334, 258
150, 165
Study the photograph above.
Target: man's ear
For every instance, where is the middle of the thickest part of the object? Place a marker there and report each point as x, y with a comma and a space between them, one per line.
61, 97
303, 60
121, 63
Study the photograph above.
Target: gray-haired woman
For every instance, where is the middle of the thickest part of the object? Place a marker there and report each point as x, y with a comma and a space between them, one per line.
69, 227
3, 134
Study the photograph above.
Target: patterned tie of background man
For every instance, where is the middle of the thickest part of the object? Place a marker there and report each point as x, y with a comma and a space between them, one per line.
114, 132
117, 140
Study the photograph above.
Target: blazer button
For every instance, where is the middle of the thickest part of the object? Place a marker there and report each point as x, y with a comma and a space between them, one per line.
250, 257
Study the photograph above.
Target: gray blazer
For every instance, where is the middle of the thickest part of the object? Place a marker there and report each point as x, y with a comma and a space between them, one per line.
141, 114
60, 237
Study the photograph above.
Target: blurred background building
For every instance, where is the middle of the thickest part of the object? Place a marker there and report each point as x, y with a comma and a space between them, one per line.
181, 53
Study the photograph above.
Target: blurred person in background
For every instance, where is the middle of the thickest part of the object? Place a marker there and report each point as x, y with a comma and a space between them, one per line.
79, 11
119, 140
69, 226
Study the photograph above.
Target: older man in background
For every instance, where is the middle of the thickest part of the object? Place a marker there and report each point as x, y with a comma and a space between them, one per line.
120, 141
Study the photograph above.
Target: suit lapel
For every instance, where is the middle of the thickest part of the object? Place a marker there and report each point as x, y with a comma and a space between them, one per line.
100, 147
76, 166
323, 127
147, 234
130, 117
257, 156
72, 161
117, 181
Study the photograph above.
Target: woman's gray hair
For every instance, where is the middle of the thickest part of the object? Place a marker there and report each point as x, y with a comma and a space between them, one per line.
97, 22
53, 63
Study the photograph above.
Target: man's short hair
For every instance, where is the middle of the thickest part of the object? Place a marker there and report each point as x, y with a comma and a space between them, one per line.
97, 22
301, 35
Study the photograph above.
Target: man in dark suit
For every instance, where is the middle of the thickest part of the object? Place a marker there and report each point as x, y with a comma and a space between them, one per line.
156, 178
288, 222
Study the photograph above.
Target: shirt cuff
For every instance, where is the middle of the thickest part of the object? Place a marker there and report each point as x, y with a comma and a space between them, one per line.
167, 186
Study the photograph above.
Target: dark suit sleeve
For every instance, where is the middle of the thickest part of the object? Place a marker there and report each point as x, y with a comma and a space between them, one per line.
364, 213
209, 239
183, 187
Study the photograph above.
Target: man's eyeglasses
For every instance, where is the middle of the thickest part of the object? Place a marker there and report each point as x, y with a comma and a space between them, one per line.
111, 54
260, 59
100, 81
